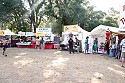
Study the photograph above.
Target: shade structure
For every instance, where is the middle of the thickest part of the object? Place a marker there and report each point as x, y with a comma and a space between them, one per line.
8, 32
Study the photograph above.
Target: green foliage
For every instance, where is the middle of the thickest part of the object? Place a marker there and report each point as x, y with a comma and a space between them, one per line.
58, 13
112, 19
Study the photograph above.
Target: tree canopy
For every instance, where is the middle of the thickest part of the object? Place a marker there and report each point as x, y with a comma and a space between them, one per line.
27, 15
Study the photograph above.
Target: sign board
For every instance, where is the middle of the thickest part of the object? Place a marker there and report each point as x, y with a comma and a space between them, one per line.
1, 33
71, 28
30, 34
43, 31
122, 16
21, 33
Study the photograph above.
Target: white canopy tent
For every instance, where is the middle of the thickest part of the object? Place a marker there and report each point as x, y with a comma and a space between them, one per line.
8, 32
81, 35
99, 32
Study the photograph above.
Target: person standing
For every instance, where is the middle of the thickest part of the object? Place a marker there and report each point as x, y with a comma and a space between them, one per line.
86, 45
38, 43
95, 46
71, 43
42, 43
4, 42
118, 51
77, 43
122, 45
106, 46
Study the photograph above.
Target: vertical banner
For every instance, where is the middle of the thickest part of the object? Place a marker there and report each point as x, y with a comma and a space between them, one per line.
122, 15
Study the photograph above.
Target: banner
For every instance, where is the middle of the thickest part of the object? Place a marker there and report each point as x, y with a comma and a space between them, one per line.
122, 15
43, 31
1, 33
30, 34
71, 28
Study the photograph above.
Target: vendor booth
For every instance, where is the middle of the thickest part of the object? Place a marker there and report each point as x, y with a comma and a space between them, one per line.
1, 35
46, 34
102, 32
9, 36
26, 40
76, 32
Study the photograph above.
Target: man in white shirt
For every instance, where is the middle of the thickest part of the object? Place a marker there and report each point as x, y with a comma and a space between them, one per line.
122, 44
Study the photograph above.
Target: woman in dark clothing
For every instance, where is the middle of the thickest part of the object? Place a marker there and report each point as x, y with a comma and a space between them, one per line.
71, 45
95, 46
106, 48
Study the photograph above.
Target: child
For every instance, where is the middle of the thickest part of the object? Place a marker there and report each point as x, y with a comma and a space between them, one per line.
4, 41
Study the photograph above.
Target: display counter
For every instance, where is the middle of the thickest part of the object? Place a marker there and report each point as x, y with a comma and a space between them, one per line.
25, 45
49, 45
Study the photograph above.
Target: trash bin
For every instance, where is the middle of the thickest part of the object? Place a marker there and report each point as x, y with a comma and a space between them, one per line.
111, 52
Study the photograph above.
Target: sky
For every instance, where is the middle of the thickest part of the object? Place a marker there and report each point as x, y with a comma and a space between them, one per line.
105, 5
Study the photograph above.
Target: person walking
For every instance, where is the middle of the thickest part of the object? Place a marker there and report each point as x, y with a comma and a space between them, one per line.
122, 45
71, 43
4, 42
42, 43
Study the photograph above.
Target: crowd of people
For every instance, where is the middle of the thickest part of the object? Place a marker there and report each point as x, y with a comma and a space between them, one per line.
118, 48
74, 46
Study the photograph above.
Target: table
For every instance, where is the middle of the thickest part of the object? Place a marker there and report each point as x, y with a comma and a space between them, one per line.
56, 46
49, 45
25, 45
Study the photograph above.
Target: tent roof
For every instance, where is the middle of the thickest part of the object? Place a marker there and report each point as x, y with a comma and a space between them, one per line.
102, 28
8, 32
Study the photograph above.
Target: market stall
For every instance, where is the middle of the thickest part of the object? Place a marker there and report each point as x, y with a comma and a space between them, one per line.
26, 40
1, 36
76, 32
9, 35
102, 32
46, 34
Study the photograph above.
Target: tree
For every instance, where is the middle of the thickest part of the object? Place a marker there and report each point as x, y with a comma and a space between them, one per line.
66, 11
37, 12
112, 18
6, 8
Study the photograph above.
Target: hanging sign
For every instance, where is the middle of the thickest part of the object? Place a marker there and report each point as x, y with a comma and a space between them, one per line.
43, 31
71, 28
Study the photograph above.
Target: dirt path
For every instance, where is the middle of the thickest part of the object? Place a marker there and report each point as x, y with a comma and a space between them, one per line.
53, 66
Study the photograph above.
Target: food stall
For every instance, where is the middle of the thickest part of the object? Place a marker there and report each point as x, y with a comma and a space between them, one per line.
1, 36
26, 40
46, 34
8, 34
73, 31
112, 34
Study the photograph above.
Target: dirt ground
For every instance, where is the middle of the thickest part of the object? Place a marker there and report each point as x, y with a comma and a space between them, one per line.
54, 66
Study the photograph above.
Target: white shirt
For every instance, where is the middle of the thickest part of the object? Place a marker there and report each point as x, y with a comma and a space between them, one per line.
123, 45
